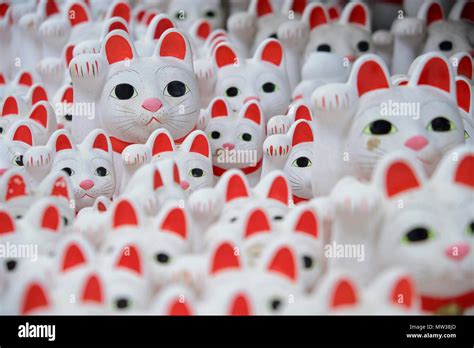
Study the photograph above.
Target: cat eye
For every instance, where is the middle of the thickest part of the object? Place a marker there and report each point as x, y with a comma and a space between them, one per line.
11, 265
122, 303
278, 217
175, 89
445, 45
245, 137
65, 221
1, 130
275, 304
215, 135
470, 229
18, 160
234, 219
68, 117
210, 14
124, 91
363, 46
68, 171
101, 171
269, 87
232, 92
307, 261
302, 162
273, 36
162, 258
380, 127
323, 48
417, 234
196, 172
18, 217
466, 135
441, 124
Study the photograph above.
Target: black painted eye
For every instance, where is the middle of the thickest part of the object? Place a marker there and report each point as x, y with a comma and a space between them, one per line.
234, 219
380, 127
363, 46
175, 89
162, 258
307, 261
278, 217
275, 304
19, 160
215, 135
68, 171
124, 91
470, 229
273, 36
418, 234
11, 265
196, 172
122, 303
323, 48
101, 171
232, 92
68, 117
302, 162
441, 124
246, 136
445, 45
65, 221
269, 87
18, 217
1, 130
210, 14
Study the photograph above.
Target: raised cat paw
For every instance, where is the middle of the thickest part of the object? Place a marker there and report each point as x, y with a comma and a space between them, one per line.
54, 29
334, 97
136, 155
87, 73
37, 157
277, 147
293, 34
382, 38
205, 204
30, 23
278, 125
51, 68
242, 25
408, 27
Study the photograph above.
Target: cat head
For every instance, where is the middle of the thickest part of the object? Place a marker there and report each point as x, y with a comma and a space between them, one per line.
185, 13
18, 87
15, 192
262, 78
13, 146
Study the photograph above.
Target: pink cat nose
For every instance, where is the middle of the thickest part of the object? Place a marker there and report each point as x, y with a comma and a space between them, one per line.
251, 98
351, 58
417, 142
86, 184
458, 252
228, 146
152, 104
184, 185
2, 170
60, 126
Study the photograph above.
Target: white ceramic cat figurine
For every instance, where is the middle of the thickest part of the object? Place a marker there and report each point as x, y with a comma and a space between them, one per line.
185, 13
13, 146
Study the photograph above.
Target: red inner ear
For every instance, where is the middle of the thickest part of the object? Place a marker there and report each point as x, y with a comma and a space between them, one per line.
23, 134
73, 257
130, 259
344, 294
175, 222
3, 9
298, 6
2, 79
122, 10
358, 15
100, 143
69, 54
51, 219
303, 113
219, 109
179, 309
16, 187
176, 174
264, 7
6, 223
125, 215
162, 143
371, 77
236, 188
117, 49
200, 145
273, 53
333, 12
302, 134
117, 26
10, 106
465, 172
317, 17
140, 15
93, 290
101, 207
224, 55
204, 30
240, 305
463, 94
468, 11
157, 181
436, 74
308, 224
77, 14
253, 113
465, 66
40, 115
399, 178
257, 223
405, 288
26, 79
51, 8
35, 297
39, 94
68, 95
149, 17
161, 27
279, 190
60, 188
224, 258
63, 143
173, 45
283, 262
435, 13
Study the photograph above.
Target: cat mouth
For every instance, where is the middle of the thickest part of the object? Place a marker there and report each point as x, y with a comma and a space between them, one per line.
424, 161
87, 195
153, 118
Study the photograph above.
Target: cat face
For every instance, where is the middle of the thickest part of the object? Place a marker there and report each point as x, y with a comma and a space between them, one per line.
18, 87
13, 145
89, 165
261, 78
185, 13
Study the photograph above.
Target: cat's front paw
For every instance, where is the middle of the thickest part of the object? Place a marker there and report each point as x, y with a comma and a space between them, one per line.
242, 25
334, 97
278, 125
205, 204
408, 27
276, 149
54, 29
30, 23
136, 155
37, 157
382, 38
293, 35
87, 73
205, 75
50, 69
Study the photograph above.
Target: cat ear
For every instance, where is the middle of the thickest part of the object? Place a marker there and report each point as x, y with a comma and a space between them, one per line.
176, 177
315, 15
120, 9
157, 180
115, 23
159, 24
36, 94
235, 186
42, 113
201, 29
2, 79
198, 143
10, 106
434, 70
60, 141
334, 12
464, 94
283, 262
175, 222
173, 44
160, 141
73, 256
34, 298
50, 8
306, 223
219, 108
403, 289
25, 78
278, 187
68, 95
15, 185
462, 64
57, 185
240, 304
179, 308
92, 290
102, 204
344, 294
130, 259
301, 112
97, 140
302, 133
457, 168
369, 73
468, 11
431, 12
224, 258
261, 7
7, 223
224, 55
252, 111
356, 13
78, 13
257, 222
21, 132
118, 47
51, 219
271, 51
124, 213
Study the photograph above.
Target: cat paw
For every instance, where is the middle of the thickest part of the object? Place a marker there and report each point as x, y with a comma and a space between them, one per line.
202, 120
278, 125
30, 23
382, 38
205, 204
50, 69
37, 157
136, 155
333, 97
86, 72
277, 147
54, 29
242, 25
293, 35
205, 75
408, 27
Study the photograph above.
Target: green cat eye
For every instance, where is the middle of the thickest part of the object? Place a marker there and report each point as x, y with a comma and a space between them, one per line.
418, 234
441, 124
380, 127
18, 160
466, 135
470, 229
302, 162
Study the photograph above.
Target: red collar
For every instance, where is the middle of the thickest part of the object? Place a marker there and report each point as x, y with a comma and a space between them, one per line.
431, 304
218, 171
119, 145
297, 199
